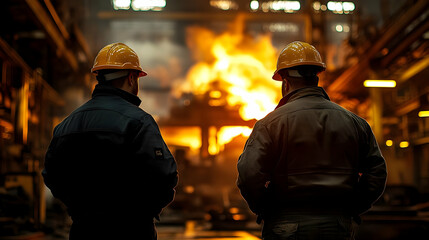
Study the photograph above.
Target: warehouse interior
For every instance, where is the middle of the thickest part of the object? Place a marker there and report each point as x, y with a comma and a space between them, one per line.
209, 66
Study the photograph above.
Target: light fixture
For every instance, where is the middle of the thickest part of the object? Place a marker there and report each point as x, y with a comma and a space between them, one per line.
316, 6
254, 5
339, 28
424, 114
121, 4
380, 83
146, 5
341, 7
282, 27
287, 6
404, 144
348, 6
224, 4
389, 143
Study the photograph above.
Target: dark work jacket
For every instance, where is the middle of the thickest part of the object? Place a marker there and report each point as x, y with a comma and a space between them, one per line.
109, 164
311, 156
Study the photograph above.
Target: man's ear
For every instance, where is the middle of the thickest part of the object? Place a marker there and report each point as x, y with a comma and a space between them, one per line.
285, 87
130, 79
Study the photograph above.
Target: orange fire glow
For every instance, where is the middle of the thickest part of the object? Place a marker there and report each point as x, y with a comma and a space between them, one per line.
218, 139
184, 136
238, 64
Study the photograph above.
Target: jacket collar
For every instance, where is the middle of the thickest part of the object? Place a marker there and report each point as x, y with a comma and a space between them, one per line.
109, 90
303, 92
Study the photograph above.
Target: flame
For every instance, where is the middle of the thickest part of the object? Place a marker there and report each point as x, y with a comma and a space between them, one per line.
184, 136
227, 133
235, 70
218, 139
241, 64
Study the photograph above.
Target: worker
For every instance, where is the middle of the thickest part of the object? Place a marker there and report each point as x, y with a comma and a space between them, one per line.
310, 168
107, 161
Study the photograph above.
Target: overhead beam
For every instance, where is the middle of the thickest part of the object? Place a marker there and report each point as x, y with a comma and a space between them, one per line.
414, 69
407, 107
57, 19
199, 16
80, 38
51, 29
343, 81
412, 37
51, 93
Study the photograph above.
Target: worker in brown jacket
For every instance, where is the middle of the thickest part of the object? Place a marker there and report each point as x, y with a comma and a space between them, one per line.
310, 167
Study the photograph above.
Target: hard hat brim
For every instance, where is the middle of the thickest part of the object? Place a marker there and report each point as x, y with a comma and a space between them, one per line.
277, 77
94, 70
298, 53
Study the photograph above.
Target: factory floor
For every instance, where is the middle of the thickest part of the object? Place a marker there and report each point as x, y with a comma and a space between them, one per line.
189, 230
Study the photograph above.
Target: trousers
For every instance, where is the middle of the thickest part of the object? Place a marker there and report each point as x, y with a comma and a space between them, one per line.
309, 227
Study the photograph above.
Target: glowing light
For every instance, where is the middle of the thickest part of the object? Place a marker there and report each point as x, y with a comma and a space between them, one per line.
238, 217
316, 6
404, 144
218, 139
389, 143
287, 6
121, 4
282, 27
254, 5
215, 102
226, 134
348, 6
242, 65
346, 28
424, 114
215, 94
146, 5
189, 189
224, 4
213, 146
234, 210
342, 28
185, 136
332, 6
380, 83
341, 7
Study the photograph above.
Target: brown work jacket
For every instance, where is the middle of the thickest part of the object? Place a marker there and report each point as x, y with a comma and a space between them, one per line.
311, 156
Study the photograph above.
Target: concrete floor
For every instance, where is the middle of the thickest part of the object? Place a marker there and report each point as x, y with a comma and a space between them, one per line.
189, 230
198, 231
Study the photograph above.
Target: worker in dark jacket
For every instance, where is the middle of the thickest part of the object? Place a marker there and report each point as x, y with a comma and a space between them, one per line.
310, 167
107, 161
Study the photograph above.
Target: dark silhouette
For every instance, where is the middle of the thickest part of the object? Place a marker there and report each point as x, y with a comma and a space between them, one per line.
107, 161
310, 167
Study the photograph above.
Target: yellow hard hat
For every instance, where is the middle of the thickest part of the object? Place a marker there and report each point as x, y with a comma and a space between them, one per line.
297, 54
117, 56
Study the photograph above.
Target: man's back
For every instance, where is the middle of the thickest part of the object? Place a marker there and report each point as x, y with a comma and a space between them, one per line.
316, 151
101, 163
310, 167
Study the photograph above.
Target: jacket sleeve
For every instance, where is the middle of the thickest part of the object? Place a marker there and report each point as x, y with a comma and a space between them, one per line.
45, 173
157, 165
254, 168
53, 173
372, 181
